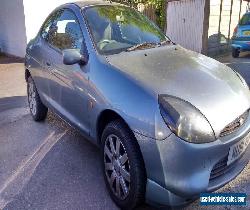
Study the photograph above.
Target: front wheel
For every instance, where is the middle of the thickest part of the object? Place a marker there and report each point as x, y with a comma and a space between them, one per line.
37, 109
123, 166
235, 53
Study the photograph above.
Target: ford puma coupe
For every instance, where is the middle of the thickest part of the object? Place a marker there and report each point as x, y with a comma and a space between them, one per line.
171, 123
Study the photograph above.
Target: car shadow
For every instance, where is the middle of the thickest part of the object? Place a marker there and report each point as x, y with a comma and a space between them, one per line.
13, 102
7, 59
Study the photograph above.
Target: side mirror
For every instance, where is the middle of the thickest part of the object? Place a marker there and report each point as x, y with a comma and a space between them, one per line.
73, 56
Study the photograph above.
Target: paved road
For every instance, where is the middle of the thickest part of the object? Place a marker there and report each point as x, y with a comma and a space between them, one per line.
49, 165
241, 64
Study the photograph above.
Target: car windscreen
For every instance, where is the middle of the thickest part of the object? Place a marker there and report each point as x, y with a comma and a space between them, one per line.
117, 28
245, 20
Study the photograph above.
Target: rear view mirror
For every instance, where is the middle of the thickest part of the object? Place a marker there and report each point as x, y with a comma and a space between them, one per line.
73, 56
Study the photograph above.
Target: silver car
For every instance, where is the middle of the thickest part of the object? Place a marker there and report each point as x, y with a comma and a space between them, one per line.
171, 123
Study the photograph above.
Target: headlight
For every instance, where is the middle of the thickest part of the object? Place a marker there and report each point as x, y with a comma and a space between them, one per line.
185, 120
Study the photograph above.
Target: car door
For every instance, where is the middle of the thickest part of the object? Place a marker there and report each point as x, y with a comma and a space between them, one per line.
41, 57
68, 84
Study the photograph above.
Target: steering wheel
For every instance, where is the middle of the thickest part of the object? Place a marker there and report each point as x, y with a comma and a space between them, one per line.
104, 42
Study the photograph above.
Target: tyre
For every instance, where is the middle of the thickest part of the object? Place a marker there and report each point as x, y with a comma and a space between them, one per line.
123, 165
235, 53
37, 109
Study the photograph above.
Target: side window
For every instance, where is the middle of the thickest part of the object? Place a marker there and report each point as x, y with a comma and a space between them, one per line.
63, 31
48, 24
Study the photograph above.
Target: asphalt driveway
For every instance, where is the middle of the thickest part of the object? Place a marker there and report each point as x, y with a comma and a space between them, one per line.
49, 165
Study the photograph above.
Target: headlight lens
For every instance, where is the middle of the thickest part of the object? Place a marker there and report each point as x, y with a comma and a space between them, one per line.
185, 120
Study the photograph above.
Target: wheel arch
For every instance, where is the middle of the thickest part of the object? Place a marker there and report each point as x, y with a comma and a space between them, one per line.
105, 117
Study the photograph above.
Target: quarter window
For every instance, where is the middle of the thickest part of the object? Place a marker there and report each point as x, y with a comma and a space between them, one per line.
63, 31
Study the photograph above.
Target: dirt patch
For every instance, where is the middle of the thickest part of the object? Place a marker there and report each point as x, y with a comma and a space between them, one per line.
12, 82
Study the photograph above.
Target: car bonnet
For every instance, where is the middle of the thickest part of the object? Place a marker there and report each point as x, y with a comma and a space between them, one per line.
210, 86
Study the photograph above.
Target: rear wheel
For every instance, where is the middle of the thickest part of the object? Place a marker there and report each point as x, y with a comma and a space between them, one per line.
123, 166
235, 53
37, 109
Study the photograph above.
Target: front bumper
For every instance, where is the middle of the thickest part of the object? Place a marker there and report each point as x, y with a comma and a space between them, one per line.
242, 45
178, 171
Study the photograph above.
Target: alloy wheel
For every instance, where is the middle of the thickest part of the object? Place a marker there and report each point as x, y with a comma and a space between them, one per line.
32, 98
117, 168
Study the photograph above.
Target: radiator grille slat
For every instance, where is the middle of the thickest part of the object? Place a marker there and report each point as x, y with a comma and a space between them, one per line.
221, 168
235, 125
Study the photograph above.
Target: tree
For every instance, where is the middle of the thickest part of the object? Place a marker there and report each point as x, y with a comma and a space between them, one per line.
160, 9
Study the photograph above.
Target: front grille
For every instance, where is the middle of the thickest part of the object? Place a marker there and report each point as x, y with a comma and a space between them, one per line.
221, 168
233, 126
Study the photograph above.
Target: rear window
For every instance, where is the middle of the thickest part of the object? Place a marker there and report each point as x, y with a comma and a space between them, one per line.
245, 20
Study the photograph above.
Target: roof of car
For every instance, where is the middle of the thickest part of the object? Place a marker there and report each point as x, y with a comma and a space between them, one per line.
94, 2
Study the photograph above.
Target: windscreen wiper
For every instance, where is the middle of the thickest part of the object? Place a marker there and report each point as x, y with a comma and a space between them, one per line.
143, 45
166, 42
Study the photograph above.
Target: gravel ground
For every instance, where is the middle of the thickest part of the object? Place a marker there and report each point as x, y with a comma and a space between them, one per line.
49, 166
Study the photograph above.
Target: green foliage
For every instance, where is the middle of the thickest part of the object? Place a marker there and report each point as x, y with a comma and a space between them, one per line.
131, 18
160, 12
159, 5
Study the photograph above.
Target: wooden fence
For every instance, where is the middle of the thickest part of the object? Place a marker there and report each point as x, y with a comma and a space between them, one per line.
149, 11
